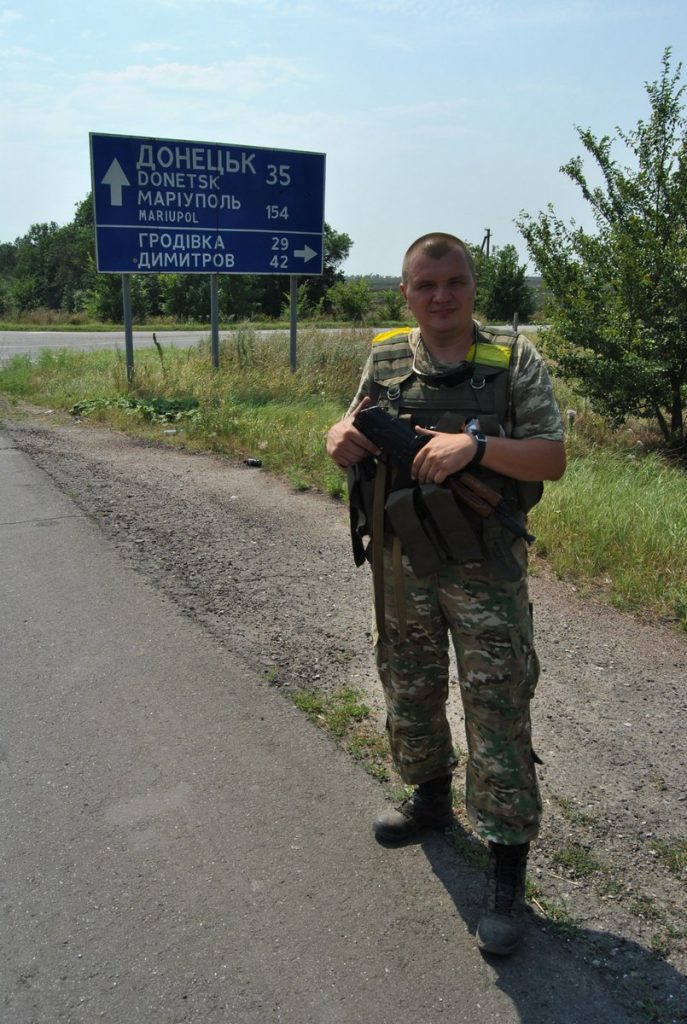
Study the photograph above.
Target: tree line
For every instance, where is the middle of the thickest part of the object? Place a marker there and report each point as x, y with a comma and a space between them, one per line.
53, 268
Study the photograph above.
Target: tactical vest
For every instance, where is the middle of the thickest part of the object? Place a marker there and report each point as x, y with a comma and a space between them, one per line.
432, 527
477, 388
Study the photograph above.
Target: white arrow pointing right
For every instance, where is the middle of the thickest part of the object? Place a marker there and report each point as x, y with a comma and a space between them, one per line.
306, 254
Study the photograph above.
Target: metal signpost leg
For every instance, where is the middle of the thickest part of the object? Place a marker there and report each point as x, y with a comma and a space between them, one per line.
293, 309
128, 326
214, 319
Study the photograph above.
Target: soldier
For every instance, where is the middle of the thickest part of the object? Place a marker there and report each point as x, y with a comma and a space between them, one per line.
484, 400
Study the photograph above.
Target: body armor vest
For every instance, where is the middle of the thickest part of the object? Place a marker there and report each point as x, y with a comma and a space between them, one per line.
432, 527
475, 389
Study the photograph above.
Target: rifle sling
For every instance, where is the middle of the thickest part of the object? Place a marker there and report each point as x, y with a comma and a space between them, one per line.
378, 564
378, 550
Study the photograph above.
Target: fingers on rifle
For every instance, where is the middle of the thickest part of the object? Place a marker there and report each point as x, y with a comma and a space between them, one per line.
363, 404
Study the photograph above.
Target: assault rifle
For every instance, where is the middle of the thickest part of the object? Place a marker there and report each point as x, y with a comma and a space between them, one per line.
400, 444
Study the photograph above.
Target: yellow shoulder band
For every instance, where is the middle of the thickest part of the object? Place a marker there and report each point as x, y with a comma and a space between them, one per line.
493, 355
385, 335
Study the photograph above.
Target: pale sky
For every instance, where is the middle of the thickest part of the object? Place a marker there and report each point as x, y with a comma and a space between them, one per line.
447, 115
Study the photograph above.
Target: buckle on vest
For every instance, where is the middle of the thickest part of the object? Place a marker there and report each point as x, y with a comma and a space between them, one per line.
478, 382
394, 392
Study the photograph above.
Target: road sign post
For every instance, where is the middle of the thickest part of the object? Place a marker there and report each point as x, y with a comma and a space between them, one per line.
293, 319
214, 319
171, 206
128, 326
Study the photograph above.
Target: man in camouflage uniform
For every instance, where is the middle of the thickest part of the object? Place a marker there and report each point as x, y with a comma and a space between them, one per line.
490, 398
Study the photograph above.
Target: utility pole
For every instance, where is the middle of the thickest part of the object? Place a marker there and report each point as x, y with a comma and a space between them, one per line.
486, 242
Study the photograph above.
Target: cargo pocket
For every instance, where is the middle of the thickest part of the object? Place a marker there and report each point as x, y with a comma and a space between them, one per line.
525, 664
405, 521
453, 532
499, 547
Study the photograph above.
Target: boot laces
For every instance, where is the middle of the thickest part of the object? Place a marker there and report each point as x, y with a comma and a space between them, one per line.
506, 886
425, 803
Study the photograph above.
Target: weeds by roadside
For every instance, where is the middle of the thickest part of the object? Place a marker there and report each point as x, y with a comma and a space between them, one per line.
346, 718
672, 855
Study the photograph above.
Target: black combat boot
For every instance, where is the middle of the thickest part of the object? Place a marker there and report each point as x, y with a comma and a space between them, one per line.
503, 920
430, 806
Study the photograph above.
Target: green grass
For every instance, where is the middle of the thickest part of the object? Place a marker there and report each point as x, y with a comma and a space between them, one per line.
643, 906
571, 812
56, 321
618, 521
371, 748
577, 860
469, 848
345, 716
559, 919
672, 855
337, 712
616, 524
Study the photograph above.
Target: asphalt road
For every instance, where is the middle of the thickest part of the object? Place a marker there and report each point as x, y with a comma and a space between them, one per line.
13, 343
178, 843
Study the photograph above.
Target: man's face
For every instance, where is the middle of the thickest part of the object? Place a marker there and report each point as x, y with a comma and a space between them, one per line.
440, 293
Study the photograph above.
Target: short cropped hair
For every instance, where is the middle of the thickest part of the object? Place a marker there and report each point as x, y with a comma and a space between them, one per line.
437, 244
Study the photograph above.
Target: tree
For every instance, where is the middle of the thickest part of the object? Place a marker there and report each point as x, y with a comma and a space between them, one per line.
619, 313
337, 246
351, 300
104, 299
305, 308
392, 304
8, 258
186, 297
48, 267
502, 290
243, 296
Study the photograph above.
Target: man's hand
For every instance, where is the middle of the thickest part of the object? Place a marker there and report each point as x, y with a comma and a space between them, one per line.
530, 458
444, 455
345, 444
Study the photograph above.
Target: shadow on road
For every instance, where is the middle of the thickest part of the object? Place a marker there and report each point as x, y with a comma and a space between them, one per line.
555, 976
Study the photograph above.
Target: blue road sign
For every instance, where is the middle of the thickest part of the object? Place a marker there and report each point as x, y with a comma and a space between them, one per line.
168, 206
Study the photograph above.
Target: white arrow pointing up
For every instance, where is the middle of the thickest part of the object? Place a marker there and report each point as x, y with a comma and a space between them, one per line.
306, 253
115, 178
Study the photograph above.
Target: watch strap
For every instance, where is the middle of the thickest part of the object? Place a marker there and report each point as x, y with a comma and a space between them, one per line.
481, 440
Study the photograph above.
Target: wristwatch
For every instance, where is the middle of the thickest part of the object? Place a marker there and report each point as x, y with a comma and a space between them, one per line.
481, 440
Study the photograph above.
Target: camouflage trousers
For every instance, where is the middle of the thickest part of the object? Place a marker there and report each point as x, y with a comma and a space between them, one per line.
490, 624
